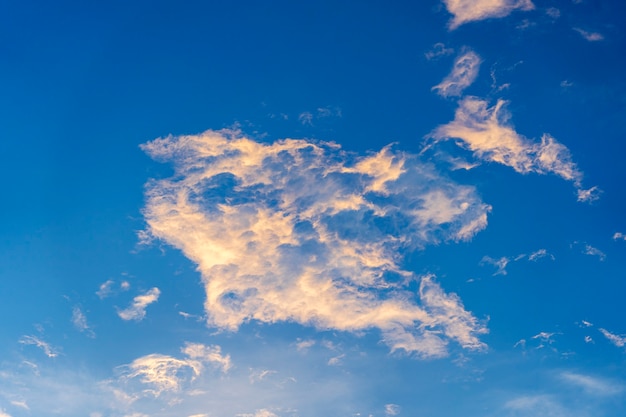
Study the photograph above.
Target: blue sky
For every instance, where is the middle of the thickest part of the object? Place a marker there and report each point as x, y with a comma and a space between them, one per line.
288, 209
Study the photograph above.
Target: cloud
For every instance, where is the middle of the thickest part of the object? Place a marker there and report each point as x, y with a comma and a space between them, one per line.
308, 233
392, 410
463, 74
541, 253
537, 405
553, 12
437, 51
619, 341
33, 340
592, 385
619, 236
105, 289
486, 132
137, 310
500, 264
307, 117
4, 414
590, 36
80, 322
591, 251
259, 413
166, 373
464, 11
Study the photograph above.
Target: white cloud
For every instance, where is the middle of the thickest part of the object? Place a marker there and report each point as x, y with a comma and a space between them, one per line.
305, 232
4, 414
105, 289
591, 251
465, 11
167, 373
392, 410
463, 74
593, 385
619, 341
306, 118
590, 36
539, 254
437, 51
486, 132
537, 405
619, 236
80, 322
259, 413
137, 310
500, 264
33, 340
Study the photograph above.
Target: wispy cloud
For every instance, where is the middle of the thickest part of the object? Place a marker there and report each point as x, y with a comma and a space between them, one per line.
392, 410
499, 263
306, 232
463, 74
259, 413
486, 132
80, 322
437, 51
465, 11
167, 373
591, 251
308, 117
617, 340
46, 347
137, 310
539, 254
593, 385
553, 12
590, 36
619, 236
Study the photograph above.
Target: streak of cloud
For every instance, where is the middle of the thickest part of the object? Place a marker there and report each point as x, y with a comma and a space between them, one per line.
486, 132
137, 310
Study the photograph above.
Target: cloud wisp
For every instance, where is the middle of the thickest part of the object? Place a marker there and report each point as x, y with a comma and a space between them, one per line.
463, 74
487, 132
167, 373
306, 232
464, 11
590, 36
137, 310
45, 346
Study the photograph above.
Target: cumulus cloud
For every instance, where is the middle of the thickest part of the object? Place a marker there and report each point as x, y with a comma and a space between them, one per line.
619, 341
464, 11
463, 74
306, 232
137, 310
35, 341
167, 373
486, 132
590, 36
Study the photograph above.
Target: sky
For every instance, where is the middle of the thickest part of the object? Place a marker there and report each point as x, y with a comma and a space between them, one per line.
300, 209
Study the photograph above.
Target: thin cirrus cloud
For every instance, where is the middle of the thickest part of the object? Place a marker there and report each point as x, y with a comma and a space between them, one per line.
486, 132
167, 373
592, 385
306, 232
137, 310
619, 341
45, 346
463, 74
464, 11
